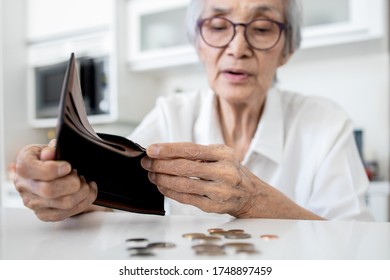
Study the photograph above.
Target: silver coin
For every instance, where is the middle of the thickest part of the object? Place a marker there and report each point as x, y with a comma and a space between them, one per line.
238, 235
161, 245
210, 253
142, 254
239, 245
207, 247
136, 240
234, 231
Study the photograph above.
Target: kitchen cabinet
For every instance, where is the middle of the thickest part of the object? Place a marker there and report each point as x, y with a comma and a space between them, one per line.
55, 29
157, 36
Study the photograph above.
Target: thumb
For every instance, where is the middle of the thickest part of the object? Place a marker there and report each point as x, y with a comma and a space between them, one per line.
48, 152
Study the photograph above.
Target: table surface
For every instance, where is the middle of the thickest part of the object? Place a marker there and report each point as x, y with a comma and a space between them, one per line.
103, 235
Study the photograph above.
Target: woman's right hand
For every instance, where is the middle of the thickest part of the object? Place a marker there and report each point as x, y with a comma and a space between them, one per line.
51, 188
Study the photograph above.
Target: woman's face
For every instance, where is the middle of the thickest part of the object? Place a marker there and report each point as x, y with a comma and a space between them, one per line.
238, 73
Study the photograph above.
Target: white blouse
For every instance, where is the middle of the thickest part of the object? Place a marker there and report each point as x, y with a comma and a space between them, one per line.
303, 146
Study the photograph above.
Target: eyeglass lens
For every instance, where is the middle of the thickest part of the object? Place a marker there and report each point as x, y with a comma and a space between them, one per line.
261, 34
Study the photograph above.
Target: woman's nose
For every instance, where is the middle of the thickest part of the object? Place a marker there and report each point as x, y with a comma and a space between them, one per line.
239, 46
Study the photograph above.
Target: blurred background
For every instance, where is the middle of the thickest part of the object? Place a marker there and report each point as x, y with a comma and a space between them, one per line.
132, 51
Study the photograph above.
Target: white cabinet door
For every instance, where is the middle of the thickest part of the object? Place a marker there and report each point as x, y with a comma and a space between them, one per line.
330, 22
156, 32
48, 19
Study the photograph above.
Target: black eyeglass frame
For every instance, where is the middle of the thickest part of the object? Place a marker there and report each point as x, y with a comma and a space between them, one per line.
282, 27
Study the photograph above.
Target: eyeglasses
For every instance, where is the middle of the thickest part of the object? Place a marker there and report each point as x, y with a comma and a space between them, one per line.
261, 34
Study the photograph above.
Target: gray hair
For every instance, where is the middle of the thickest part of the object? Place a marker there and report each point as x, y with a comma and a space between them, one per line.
293, 17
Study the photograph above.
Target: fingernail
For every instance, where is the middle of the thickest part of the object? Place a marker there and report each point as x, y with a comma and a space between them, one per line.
153, 150
152, 176
146, 162
63, 169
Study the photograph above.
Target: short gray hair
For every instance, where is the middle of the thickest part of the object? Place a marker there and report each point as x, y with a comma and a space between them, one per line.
293, 17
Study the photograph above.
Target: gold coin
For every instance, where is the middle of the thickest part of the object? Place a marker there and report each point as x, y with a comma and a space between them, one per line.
207, 238
193, 235
161, 245
210, 230
268, 237
221, 233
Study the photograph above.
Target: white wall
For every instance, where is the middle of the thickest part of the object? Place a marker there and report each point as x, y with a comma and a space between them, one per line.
1, 102
17, 132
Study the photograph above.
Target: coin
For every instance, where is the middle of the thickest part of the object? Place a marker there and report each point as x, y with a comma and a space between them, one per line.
136, 240
207, 247
161, 245
239, 245
142, 254
247, 251
221, 233
210, 230
193, 235
237, 235
268, 237
144, 251
236, 231
206, 239
210, 253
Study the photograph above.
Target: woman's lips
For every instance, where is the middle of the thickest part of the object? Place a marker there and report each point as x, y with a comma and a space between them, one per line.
235, 76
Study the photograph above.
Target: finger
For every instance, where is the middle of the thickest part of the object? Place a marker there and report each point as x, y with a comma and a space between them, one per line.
213, 171
54, 214
202, 202
29, 165
188, 151
48, 152
216, 191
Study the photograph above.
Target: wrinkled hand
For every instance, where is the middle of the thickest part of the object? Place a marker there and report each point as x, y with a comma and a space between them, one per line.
51, 188
208, 177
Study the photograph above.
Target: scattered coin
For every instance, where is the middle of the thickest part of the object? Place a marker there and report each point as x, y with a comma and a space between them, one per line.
221, 233
239, 245
210, 230
136, 240
236, 231
210, 253
193, 235
268, 237
142, 254
206, 239
139, 250
247, 251
238, 235
160, 245
207, 247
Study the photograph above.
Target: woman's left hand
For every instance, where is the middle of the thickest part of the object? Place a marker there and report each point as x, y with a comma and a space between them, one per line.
208, 177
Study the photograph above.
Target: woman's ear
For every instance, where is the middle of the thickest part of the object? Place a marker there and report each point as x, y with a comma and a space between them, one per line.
284, 58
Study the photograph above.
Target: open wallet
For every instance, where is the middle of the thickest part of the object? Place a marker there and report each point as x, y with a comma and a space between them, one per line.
113, 162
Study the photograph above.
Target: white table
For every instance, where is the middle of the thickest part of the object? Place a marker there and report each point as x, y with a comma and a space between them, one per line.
103, 236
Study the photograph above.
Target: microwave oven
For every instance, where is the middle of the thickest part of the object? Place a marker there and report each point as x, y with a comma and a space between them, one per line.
94, 81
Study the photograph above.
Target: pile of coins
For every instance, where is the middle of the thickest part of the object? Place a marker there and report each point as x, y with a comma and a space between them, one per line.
208, 245
141, 247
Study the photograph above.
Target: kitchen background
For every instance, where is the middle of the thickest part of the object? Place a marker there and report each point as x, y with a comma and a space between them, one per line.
344, 57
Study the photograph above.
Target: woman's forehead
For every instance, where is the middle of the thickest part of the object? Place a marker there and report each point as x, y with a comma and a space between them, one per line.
245, 8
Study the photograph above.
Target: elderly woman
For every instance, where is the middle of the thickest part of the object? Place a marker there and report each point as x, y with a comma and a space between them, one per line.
242, 148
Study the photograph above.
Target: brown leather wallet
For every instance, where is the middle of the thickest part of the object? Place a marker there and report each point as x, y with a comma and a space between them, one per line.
113, 162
